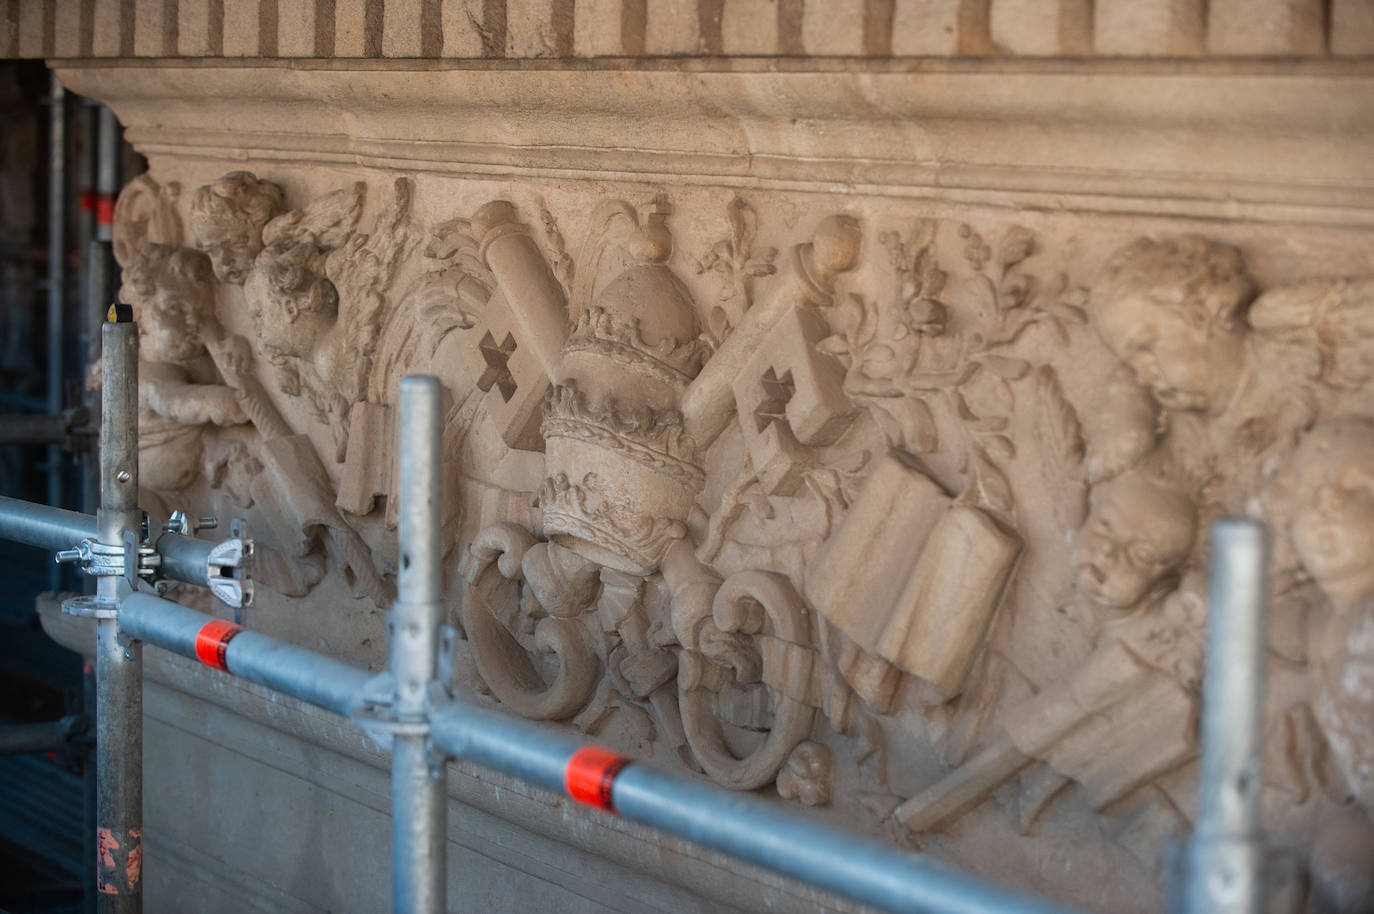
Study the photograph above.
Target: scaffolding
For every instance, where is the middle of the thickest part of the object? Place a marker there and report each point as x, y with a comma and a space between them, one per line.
410, 710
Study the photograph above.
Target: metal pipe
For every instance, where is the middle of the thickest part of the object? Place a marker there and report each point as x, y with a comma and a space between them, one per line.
50, 735
118, 662
102, 271
418, 793
42, 526
1226, 866
57, 243
735, 823
184, 558
65, 429
291, 670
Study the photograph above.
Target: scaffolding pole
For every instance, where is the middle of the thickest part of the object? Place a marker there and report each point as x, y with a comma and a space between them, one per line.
56, 282
1226, 863
118, 660
419, 785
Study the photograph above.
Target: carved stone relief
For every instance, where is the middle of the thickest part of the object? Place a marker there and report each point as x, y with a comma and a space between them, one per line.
903, 516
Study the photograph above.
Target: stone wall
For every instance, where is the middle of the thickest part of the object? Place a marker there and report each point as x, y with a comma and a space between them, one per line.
845, 430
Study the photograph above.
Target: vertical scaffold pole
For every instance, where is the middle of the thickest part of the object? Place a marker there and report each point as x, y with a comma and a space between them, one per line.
1226, 862
418, 794
57, 282
118, 661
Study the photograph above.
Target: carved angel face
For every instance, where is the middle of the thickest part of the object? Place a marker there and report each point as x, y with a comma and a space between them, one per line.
227, 219
1333, 520
293, 305
1187, 359
1137, 534
1173, 311
172, 293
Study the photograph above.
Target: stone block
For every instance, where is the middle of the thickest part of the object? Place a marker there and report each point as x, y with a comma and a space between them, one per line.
1352, 27
834, 28
296, 20
462, 25
241, 28
1256, 27
67, 37
671, 27
31, 31
152, 29
749, 27
401, 29
350, 28
925, 28
193, 29
1149, 28
596, 29
529, 28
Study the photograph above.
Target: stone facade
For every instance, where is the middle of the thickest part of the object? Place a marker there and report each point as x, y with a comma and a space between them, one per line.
841, 429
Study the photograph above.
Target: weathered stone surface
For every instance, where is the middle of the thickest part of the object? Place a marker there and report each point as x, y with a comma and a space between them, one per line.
835, 427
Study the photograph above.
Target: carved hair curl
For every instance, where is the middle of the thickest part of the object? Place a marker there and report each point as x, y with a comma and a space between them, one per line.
239, 201
160, 265
1180, 273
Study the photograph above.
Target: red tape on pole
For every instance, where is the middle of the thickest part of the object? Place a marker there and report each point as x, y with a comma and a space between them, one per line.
590, 773
104, 209
213, 640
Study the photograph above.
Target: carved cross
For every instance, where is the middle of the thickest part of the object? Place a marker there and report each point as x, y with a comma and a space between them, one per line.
496, 357
778, 393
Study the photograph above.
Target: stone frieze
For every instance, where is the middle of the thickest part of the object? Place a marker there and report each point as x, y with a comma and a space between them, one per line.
890, 508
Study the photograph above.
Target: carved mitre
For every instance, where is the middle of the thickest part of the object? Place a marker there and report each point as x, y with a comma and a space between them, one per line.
622, 475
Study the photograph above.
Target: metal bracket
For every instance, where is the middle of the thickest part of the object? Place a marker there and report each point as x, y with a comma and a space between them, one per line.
129, 560
376, 709
376, 713
228, 568
91, 607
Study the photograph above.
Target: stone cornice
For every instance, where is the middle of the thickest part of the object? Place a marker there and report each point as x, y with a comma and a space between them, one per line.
1107, 136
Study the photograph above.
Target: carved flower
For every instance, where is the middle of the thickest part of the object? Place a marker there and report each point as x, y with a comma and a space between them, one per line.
806, 777
921, 317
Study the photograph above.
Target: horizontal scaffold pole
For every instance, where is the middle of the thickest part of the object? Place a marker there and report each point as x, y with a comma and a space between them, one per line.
734, 823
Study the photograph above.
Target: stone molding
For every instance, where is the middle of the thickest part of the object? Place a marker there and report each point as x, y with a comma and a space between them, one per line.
1028, 135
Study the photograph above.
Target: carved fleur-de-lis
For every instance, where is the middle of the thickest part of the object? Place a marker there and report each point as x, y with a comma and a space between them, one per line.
738, 264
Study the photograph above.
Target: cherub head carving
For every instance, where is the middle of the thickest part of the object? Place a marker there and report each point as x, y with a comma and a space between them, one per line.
173, 295
1138, 533
1331, 474
292, 304
227, 219
1174, 310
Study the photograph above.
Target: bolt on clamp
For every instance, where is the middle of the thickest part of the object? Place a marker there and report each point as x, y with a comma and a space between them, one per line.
184, 524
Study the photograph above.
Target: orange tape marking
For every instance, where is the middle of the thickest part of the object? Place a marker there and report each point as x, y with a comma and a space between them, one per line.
213, 640
590, 773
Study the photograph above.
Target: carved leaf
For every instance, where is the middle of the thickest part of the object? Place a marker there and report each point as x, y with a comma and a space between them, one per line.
991, 482
1009, 369
1062, 438
1017, 244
